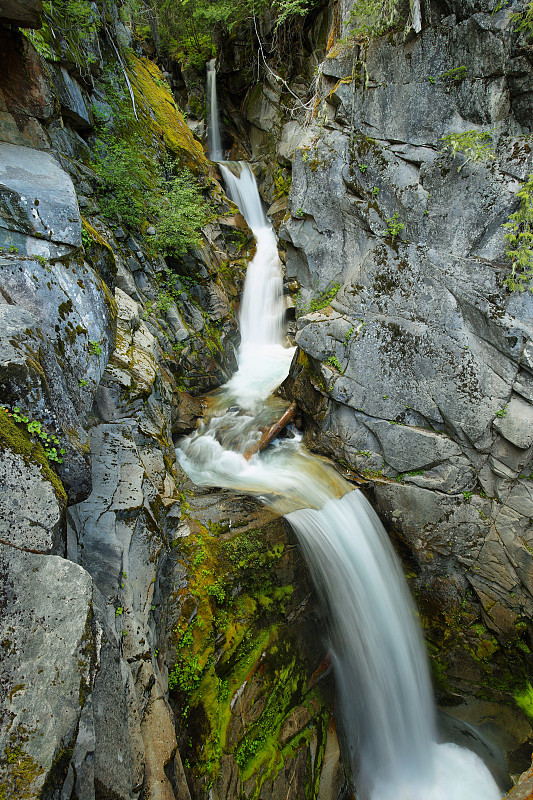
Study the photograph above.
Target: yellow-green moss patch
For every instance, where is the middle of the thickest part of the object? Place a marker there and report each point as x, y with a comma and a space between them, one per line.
12, 437
157, 111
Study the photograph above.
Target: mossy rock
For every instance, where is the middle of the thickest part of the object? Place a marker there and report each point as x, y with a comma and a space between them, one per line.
159, 114
13, 437
100, 255
240, 676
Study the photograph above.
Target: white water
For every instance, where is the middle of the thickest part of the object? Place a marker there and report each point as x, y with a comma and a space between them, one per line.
213, 129
263, 362
384, 699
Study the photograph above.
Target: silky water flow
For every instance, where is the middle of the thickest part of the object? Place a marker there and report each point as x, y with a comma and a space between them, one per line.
385, 706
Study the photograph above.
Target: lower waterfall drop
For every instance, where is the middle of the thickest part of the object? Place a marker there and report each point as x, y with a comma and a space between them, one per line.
384, 696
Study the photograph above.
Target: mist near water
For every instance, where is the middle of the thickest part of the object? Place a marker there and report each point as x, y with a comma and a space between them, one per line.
385, 705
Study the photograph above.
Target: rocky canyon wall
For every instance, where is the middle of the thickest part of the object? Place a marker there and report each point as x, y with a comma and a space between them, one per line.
414, 366
105, 347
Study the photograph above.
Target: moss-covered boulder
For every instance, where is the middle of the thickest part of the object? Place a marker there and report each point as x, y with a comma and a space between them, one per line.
243, 674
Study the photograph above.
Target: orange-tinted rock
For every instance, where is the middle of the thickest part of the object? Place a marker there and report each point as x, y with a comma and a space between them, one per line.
524, 788
24, 88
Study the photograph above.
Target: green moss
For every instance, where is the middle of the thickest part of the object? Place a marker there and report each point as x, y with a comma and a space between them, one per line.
14, 438
159, 115
18, 770
456, 636
236, 605
524, 700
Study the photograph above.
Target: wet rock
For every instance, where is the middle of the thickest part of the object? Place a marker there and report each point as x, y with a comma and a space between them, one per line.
332, 777
186, 412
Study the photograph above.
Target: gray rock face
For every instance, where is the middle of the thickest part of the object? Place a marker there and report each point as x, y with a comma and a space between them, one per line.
38, 201
48, 366
31, 514
419, 373
72, 99
49, 654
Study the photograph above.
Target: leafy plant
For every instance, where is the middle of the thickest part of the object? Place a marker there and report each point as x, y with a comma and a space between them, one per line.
372, 18
334, 362
502, 412
317, 302
183, 212
125, 179
37, 433
455, 74
394, 226
375, 191
86, 239
95, 348
519, 240
473, 144
133, 190
282, 184
363, 168
83, 382
523, 19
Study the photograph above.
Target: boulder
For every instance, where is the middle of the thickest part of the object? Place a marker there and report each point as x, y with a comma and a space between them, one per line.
32, 504
49, 654
38, 206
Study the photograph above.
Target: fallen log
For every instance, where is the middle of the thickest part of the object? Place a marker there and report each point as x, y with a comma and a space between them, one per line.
272, 432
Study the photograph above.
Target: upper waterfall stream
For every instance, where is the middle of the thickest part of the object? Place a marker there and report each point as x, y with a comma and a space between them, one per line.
384, 696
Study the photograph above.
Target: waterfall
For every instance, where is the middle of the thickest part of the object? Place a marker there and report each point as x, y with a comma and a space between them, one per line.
263, 361
384, 698
213, 127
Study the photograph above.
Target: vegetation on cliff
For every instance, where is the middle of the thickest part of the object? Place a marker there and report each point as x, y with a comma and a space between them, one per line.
189, 29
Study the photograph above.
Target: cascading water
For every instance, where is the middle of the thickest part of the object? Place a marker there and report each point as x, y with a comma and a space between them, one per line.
381, 674
213, 129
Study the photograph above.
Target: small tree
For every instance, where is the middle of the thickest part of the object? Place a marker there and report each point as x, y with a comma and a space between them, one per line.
473, 144
520, 241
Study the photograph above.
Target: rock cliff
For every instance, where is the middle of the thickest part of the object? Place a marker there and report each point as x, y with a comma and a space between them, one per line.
414, 365
106, 343
159, 641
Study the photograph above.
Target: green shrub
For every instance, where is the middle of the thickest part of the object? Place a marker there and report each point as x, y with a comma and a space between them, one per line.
189, 29
473, 144
125, 179
372, 18
133, 191
520, 241
182, 212
394, 226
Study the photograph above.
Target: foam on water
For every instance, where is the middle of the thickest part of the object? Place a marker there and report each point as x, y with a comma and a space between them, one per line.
385, 705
